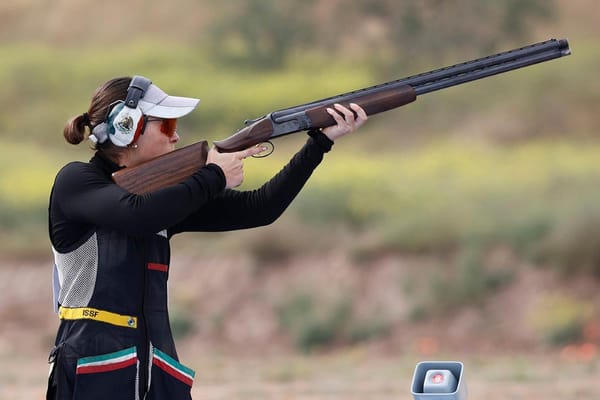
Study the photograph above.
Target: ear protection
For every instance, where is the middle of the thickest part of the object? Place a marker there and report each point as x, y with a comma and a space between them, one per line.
126, 120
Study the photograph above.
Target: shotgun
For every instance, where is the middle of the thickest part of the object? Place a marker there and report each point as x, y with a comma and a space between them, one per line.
177, 165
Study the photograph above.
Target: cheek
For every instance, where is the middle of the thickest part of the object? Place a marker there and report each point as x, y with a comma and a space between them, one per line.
157, 146
152, 138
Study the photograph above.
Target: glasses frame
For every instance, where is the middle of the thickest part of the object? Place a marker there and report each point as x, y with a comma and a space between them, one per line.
168, 125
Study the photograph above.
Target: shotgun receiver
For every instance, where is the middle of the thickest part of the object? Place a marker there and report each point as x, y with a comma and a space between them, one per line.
174, 167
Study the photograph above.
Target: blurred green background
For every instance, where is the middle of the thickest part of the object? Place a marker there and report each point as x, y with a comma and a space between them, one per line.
482, 183
510, 159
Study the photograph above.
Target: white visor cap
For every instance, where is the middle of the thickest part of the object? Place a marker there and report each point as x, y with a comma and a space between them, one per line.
156, 103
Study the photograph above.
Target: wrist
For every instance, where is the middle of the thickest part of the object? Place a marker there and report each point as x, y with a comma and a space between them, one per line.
322, 140
217, 170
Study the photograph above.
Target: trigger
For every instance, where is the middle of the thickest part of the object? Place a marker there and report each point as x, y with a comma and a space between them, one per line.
270, 148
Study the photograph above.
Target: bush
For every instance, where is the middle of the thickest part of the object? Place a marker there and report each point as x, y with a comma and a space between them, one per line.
182, 323
573, 245
468, 282
560, 320
314, 323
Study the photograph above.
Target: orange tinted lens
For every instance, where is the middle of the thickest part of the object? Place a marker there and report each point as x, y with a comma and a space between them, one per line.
168, 126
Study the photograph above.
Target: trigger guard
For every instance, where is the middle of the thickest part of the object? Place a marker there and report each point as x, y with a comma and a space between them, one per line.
270, 148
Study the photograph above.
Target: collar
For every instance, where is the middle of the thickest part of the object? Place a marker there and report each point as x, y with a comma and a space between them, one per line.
105, 164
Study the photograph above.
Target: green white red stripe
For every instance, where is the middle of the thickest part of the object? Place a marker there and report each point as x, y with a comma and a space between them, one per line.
173, 367
107, 362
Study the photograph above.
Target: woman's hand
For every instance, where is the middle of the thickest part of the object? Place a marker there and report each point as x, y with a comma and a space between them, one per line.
346, 120
232, 164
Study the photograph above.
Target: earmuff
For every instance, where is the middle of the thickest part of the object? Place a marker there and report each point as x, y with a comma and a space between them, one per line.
126, 120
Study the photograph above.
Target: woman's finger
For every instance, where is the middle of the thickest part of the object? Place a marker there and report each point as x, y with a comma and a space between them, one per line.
348, 114
360, 112
336, 116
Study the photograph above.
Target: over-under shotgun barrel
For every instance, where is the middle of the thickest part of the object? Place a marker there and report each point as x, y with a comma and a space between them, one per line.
453, 75
390, 95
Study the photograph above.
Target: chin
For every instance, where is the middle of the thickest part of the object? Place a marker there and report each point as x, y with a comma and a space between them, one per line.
168, 149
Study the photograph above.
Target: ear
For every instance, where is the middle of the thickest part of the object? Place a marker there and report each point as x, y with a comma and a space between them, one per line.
125, 125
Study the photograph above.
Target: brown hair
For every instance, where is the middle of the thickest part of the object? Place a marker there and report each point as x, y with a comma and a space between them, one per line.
75, 129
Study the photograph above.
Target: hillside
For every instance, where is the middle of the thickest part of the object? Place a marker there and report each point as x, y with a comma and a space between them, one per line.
224, 310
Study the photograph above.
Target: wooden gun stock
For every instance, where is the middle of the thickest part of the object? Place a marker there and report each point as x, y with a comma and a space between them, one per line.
166, 170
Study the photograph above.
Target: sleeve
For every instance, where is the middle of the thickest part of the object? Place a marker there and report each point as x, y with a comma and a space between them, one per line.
84, 195
232, 210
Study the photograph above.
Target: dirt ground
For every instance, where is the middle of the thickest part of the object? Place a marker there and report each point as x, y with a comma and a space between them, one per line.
249, 368
348, 374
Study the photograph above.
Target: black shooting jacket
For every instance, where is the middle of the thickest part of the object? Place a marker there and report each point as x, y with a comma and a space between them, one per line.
112, 260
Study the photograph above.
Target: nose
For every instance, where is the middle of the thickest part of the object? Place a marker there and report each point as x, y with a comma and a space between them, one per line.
175, 138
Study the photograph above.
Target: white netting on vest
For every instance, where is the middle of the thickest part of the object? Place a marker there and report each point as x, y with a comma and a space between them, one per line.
77, 273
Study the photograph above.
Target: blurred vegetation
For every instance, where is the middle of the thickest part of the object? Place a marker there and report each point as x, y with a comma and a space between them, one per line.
314, 321
561, 319
440, 194
510, 161
267, 32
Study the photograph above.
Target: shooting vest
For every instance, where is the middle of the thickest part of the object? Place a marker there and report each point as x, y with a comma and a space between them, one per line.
115, 340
